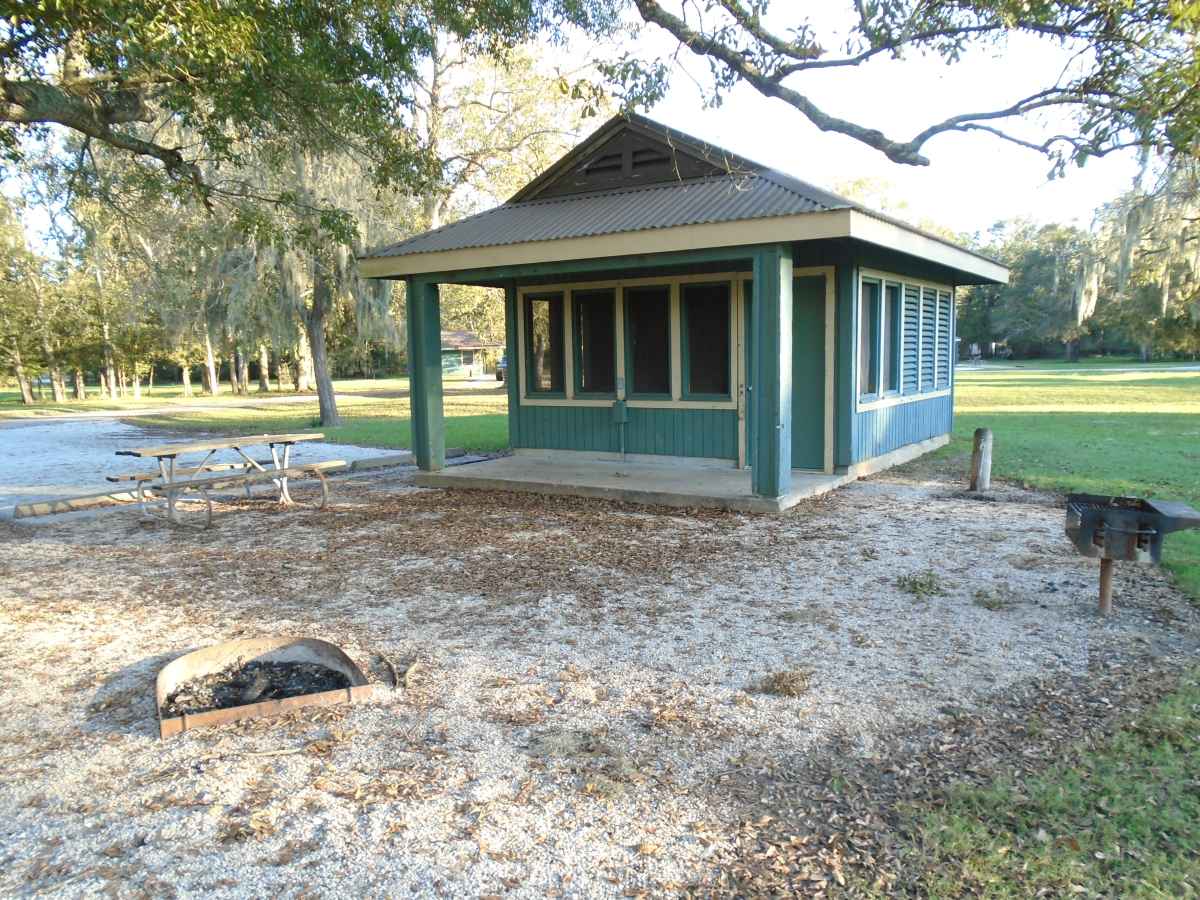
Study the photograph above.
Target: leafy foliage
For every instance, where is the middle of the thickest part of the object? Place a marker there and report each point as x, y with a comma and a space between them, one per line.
324, 74
1132, 79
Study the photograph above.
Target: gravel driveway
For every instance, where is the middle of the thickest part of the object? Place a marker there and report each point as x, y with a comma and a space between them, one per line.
579, 679
45, 460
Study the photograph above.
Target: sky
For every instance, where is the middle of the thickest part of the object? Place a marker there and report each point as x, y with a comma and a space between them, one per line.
973, 180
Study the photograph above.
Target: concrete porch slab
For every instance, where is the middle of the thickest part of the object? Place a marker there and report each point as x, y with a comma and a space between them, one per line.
653, 484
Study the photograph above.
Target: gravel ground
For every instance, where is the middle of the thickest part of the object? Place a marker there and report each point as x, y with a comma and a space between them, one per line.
579, 679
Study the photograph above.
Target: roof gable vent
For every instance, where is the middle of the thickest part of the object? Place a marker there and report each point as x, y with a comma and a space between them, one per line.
625, 157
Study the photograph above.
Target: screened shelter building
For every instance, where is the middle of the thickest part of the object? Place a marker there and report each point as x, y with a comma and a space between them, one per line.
686, 326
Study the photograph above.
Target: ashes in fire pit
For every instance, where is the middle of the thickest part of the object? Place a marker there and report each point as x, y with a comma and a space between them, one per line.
252, 682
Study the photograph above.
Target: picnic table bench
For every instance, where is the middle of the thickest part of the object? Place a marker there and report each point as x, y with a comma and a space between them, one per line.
173, 481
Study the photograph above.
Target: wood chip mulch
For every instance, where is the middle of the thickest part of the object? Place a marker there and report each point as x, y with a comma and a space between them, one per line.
836, 822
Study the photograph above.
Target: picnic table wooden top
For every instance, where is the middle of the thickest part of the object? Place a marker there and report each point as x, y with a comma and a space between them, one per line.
250, 440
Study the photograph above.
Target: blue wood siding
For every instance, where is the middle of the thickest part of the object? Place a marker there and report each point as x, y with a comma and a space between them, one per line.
911, 352
945, 317
708, 433
928, 336
888, 428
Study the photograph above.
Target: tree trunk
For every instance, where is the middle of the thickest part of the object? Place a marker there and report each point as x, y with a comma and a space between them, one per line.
211, 382
150, 378
185, 379
302, 368
314, 325
137, 385
1144, 351
19, 371
264, 369
110, 367
1073, 350
80, 386
243, 373
233, 370
57, 384
122, 382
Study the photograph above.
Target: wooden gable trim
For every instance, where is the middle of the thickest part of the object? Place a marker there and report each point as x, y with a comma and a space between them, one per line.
614, 150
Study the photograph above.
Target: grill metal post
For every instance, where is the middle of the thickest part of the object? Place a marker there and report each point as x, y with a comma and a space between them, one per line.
1106, 576
1127, 528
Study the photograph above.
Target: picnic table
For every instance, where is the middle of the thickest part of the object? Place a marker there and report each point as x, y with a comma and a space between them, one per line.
174, 481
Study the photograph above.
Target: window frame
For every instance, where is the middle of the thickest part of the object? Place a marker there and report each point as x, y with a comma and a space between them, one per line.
577, 346
527, 373
871, 392
685, 367
892, 312
629, 372
889, 397
677, 398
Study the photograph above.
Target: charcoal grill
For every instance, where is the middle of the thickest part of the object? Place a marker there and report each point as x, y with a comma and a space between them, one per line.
1123, 528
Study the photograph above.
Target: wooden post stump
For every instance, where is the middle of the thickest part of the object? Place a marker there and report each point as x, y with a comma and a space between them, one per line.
981, 461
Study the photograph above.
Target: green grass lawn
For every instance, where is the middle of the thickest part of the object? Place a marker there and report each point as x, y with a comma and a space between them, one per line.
372, 416
1120, 822
172, 395
1132, 433
1087, 362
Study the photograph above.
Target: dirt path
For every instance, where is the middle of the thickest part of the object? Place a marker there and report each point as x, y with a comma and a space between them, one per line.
45, 460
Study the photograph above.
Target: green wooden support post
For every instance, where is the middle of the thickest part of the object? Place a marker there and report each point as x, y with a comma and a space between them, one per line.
512, 322
771, 324
425, 374
846, 356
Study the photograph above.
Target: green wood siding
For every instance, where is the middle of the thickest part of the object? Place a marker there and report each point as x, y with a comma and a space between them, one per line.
703, 433
808, 372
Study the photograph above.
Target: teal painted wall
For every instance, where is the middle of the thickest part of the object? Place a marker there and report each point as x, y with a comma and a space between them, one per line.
713, 433
706, 433
861, 436
808, 372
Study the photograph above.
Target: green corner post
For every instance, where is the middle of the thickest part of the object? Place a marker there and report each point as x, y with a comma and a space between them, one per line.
425, 374
512, 320
771, 325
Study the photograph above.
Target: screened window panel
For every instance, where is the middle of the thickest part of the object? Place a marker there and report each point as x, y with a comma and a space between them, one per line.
892, 319
544, 343
928, 336
868, 339
648, 332
706, 315
595, 341
910, 348
944, 350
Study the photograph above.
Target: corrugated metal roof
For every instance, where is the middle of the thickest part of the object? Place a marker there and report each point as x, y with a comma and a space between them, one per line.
465, 340
727, 198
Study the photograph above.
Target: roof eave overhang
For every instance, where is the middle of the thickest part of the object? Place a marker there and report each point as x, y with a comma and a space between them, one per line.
837, 223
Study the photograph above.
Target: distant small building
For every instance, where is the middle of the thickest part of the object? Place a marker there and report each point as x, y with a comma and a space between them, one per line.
465, 354
669, 302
